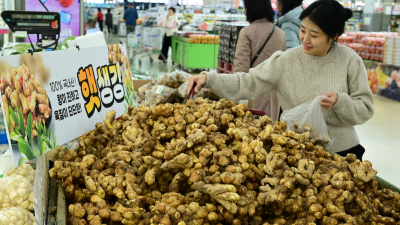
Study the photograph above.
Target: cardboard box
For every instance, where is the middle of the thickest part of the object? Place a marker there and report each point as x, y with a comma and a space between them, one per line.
138, 83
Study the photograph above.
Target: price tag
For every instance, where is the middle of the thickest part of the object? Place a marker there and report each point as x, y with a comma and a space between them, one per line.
206, 10
159, 89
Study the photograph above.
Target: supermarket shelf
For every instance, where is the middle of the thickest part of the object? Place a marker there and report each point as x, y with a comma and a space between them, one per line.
223, 19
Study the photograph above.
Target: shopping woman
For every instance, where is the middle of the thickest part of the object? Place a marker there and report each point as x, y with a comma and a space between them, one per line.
171, 24
318, 67
100, 19
256, 43
289, 22
109, 21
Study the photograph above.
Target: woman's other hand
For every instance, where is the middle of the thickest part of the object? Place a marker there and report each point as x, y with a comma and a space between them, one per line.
331, 99
200, 81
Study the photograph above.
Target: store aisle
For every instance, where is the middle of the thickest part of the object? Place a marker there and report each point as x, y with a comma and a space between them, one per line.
156, 67
381, 138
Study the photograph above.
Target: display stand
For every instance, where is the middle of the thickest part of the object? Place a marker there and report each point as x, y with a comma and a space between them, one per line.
193, 56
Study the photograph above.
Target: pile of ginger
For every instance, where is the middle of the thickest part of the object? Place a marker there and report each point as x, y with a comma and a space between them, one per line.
209, 162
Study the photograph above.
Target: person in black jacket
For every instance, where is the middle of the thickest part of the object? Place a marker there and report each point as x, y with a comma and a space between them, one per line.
109, 21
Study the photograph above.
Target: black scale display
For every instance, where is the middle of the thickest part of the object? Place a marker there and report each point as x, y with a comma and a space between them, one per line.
46, 24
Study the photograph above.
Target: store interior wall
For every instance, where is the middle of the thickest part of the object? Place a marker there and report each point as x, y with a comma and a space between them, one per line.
375, 21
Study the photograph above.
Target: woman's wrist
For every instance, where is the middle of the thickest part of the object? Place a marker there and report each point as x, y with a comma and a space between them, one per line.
205, 76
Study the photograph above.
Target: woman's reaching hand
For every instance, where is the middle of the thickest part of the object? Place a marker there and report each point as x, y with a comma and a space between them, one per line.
200, 81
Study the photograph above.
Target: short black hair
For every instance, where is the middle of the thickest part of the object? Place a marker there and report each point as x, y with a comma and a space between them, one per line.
288, 5
131, 5
173, 9
329, 15
99, 9
108, 10
258, 9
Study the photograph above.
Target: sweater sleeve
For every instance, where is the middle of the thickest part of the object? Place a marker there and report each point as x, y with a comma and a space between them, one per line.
291, 36
259, 81
243, 53
356, 106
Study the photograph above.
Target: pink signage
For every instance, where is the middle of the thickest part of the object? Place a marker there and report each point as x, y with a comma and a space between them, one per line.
69, 13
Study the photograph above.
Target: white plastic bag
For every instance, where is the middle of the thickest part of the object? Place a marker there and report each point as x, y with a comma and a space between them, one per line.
16, 215
174, 79
24, 170
132, 40
16, 190
308, 117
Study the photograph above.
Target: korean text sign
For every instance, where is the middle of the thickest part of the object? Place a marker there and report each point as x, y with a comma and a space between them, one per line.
64, 92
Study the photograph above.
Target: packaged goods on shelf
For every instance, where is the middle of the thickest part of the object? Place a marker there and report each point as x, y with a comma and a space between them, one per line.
229, 35
392, 51
187, 34
204, 39
368, 45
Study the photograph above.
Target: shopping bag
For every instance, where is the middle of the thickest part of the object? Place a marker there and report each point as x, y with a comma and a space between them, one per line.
308, 117
132, 40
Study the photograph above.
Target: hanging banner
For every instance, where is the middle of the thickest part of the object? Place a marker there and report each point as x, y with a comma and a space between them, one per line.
54, 97
384, 80
69, 11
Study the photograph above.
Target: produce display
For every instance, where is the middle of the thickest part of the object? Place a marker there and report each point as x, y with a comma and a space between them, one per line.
24, 170
21, 89
392, 51
204, 39
189, 34
209, 162
16, 190
168, 88
16, 215
368, 45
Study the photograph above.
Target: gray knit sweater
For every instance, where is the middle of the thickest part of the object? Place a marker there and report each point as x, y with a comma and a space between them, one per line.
298, 78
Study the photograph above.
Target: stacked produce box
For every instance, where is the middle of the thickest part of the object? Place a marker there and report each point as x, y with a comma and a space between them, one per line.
203, 39
233, 42
392, 51
368, 45
229, 35
225, 35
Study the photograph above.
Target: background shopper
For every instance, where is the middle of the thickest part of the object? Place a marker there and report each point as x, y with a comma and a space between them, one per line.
289, 22
109, 21
252, 39
100, 19
171, 24
130, 17
318, 67
289, 13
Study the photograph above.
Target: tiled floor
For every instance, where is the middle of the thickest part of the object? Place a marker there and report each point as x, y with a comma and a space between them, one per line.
380, 135
381, 138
